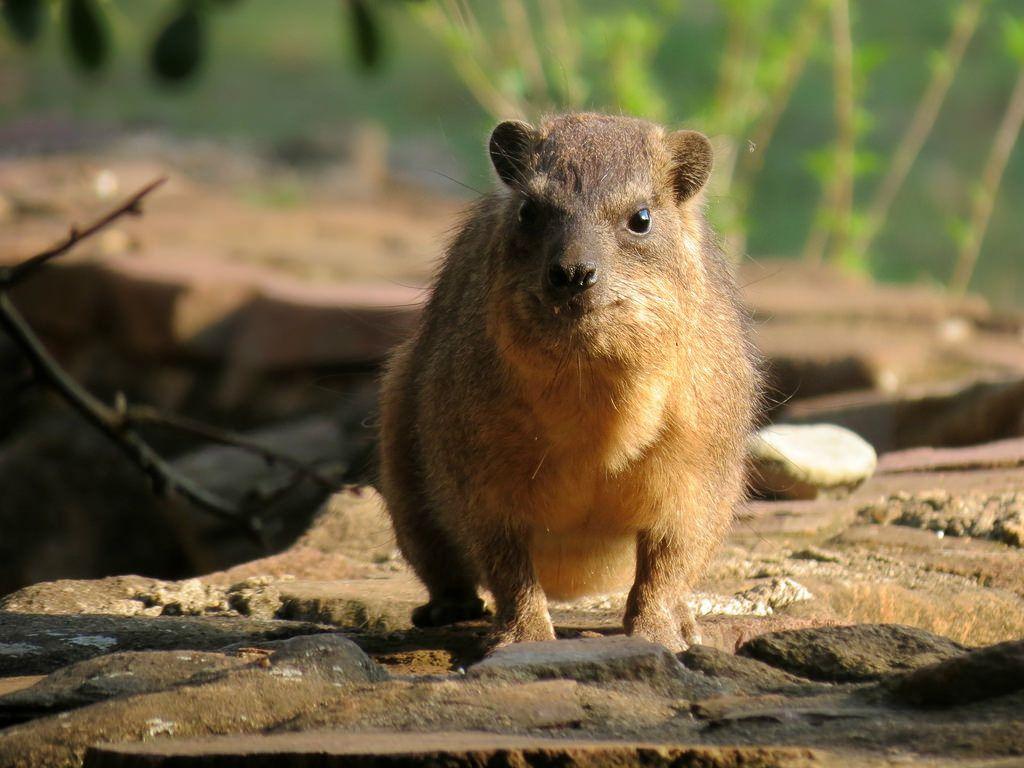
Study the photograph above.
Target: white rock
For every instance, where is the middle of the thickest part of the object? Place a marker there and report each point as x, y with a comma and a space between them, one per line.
795, 460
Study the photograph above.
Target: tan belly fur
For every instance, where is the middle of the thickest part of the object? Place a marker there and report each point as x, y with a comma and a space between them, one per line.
575, 564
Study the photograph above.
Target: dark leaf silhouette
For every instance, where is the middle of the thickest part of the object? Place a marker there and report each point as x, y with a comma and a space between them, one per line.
87, 34
178, 50
24, 18
367, 34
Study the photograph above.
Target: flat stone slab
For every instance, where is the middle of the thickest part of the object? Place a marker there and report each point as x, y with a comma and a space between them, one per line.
110, 676
998, 454
975, 411
34, 644
18, 683
592, 660
751, 675
294, 692
326, 749
983, 674
855, 653
379, 605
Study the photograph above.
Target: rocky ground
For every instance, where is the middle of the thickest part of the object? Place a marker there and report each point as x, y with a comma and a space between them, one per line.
847, 621
853, 631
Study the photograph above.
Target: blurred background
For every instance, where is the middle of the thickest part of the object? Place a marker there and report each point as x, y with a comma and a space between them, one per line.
867, 184
869, 122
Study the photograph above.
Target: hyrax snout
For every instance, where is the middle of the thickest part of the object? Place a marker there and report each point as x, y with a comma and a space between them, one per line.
571, 414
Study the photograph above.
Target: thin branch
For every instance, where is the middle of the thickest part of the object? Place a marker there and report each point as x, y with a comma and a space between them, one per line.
921, 124
119, 422
991, 177
12, 275
144, 415
164, 477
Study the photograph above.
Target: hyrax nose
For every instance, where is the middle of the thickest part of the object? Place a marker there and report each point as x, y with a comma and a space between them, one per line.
573, 278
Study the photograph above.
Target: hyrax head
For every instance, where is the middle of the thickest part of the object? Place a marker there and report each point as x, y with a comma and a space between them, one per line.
598, 231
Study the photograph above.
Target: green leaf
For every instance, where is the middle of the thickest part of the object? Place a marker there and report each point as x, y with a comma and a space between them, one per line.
87, 34
179, 47
820, 162
366, 34
1013, 34
24, 18
866, 163
959, 231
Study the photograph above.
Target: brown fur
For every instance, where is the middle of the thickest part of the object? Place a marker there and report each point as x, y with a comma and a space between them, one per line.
541, 449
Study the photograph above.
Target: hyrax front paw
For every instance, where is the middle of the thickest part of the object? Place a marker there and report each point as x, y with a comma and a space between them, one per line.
523, 629
665, 627
448, 610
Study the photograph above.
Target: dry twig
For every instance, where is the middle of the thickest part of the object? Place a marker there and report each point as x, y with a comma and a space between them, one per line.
120, 421
10, 276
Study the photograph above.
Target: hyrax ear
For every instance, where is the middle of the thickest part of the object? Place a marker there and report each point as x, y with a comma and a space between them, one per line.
692, 158
511, 146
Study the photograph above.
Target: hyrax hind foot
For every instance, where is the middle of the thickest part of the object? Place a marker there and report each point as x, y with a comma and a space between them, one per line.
448, 610
676, 630
523, 629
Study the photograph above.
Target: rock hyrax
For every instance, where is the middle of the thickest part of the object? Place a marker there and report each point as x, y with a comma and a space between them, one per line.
572, 412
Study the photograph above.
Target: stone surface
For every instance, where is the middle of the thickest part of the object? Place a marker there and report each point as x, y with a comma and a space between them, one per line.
380, 605
592, 660
39, 643
331, 656
325, 749
750, 675
997, 516
110, 520
291, 686
110, 676
850, 654
1000, 453
943, 414
799, 461
982, 674
847, 725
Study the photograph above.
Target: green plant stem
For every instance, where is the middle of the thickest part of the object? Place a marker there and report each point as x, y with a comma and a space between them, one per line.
991, 177
920, 127
464, 57
805, 34
565, 46
837, 203
524, 44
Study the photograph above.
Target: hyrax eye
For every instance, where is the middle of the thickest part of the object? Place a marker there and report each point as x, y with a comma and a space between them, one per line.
640, 222
527, 214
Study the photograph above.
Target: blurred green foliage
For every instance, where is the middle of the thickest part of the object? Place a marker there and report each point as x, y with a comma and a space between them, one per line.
269, 71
